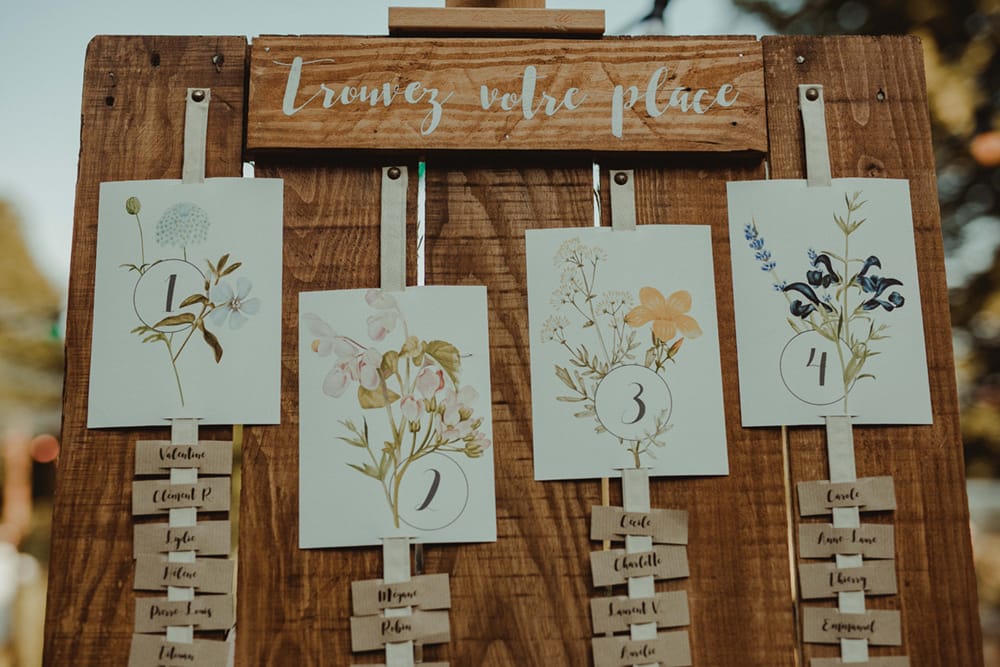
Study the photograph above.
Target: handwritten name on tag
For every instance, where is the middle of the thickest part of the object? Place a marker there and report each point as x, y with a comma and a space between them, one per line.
665, 561
157, 457
823, 625
426, 591
825, 580
205, 575
210, 494
207, 538
205, 612
822, 540
614, 523
616, 614
149, 650
669, 649
369, 633
871, 494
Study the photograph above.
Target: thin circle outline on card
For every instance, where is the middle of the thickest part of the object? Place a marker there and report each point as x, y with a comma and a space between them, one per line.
794, 360
629, 400
160, 290
441, 495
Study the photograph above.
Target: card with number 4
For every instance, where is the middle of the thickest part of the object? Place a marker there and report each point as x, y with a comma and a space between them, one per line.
827, 300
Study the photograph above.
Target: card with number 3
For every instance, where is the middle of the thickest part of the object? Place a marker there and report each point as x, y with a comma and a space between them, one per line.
625, 364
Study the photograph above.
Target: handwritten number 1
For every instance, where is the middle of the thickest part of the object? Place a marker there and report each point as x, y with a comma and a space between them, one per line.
172, 280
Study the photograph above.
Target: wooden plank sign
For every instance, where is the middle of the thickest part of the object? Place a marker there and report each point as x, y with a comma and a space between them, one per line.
628, 94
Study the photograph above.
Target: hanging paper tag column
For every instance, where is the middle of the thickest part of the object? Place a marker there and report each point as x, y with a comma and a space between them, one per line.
849, 541
172, 556
654, 549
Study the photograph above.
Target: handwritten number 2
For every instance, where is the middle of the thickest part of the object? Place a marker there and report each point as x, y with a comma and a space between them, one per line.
821, 365
433, 490
172, 280
639, 402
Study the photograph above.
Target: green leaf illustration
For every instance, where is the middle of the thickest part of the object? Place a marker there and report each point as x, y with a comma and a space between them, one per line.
563, 375
174, 320
213, 343
447, 356
231, 268
376, 398
194, 298
390, 362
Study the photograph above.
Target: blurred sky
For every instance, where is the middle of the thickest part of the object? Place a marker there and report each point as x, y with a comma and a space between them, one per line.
43, 43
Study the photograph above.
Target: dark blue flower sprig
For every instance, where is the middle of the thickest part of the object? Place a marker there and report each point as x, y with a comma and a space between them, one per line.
803, 310
876, 285
761, 254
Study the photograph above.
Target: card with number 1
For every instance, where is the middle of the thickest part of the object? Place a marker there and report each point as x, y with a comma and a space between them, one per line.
187, 303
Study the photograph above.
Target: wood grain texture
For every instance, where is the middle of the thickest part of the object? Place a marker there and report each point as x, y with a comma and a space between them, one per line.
739, 586
323, 107
294, 605
133, 118
524, 599
519, 4
878, 126
462, 21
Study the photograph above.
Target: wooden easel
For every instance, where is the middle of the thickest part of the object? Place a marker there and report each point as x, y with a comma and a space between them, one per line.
522, 600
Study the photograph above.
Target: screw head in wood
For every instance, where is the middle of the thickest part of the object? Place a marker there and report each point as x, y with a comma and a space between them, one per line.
800, 59
198, 95
394, 173
621, 178
812, 94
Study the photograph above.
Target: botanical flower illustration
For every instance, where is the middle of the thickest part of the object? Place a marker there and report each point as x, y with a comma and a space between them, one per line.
415, 386
609, 321
215, 302
840, 296
182, 225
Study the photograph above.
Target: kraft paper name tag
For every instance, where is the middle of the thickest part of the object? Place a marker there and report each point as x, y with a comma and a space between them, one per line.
207, 538
152, 650
669, 649
825, 580
894, 661
822, 540
426, 591
616, 614
205, 575
210, 494
369, 633
825, 625
210, 457
614, 523
665, 561
870, 494
205, 612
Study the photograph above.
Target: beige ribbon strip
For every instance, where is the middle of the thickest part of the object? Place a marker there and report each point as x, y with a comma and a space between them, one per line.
396, 559
814, 126
195, 134
622, 200
393, 230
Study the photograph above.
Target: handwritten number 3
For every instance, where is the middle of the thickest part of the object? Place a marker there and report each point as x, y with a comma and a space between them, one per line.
638, 401
432, 492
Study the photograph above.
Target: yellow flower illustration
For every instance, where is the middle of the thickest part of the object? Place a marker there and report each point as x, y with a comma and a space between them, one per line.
667, 315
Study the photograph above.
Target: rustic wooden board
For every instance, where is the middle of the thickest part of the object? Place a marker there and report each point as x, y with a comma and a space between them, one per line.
878, 125
304, 106
133, 117
463, 21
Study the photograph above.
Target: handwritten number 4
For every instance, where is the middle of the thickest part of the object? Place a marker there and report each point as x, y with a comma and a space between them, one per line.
821, 365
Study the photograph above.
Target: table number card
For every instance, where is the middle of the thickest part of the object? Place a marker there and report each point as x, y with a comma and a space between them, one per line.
395, 417
625, 365
827, 301
187, 303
